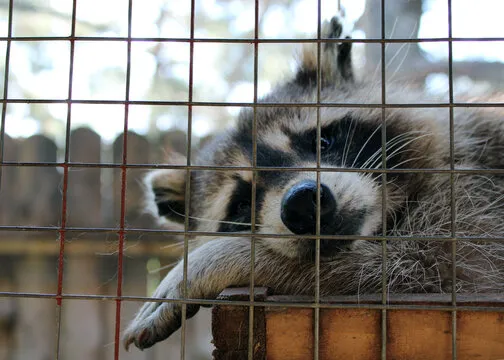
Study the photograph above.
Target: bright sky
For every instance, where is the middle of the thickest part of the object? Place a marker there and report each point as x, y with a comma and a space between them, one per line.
483, 20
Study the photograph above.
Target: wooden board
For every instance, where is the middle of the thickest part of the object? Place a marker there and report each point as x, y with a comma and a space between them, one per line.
423, 331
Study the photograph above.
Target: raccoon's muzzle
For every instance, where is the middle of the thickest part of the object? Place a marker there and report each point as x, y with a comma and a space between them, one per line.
299, 206
298, 213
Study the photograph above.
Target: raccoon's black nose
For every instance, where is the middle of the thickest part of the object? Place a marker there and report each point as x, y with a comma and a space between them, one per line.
299, 205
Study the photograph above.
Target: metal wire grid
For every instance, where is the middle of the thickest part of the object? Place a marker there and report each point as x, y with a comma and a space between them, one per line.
452, 182
122, 231
188, 186
384, 190
62, 233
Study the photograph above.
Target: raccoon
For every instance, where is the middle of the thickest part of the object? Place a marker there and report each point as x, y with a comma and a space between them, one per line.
430, 202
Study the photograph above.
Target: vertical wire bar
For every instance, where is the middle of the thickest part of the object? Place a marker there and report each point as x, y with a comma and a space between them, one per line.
452, 187
187, 200
122, 232
6, 87
316, 329
384, 187
250, 350
62, 229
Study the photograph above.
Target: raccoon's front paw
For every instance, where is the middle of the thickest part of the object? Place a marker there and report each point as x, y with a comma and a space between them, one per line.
155, 322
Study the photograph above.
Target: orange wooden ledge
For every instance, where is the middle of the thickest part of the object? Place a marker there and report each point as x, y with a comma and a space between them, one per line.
418, 327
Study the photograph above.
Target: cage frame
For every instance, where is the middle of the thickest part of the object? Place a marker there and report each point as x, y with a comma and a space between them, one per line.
122, 230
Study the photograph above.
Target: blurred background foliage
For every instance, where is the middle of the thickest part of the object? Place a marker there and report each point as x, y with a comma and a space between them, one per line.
223, 72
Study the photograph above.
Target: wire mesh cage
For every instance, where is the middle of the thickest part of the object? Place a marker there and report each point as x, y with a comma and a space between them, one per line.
80, 254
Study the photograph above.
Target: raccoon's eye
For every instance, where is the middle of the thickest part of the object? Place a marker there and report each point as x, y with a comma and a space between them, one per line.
243, 205
325, 143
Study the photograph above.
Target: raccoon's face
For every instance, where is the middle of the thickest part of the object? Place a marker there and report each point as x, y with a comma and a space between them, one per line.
286, 179
281, 160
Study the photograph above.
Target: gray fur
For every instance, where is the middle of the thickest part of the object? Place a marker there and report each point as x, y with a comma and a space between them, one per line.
418, 205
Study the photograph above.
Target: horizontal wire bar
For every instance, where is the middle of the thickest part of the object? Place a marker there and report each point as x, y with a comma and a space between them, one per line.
322, 304
244, 40
144, 231
250, 168
256, 105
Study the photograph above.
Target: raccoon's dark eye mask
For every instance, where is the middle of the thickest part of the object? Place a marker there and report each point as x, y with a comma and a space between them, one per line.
327, 141
239, 207
346, 142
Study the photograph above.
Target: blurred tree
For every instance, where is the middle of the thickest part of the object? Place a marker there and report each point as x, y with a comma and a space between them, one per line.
223, 72
402, 21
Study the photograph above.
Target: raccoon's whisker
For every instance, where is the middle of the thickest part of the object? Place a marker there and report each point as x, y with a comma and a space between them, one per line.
397, 147
161, 268
369, 163
392, 31
370, 160
346, 147
405, 54
176, 244
388, 146
406, 161
396, 141
402, 142
391, 78
365, 144
396, 54
225, 221
376, 160
213, 220
403, 145
387, 45
348, 142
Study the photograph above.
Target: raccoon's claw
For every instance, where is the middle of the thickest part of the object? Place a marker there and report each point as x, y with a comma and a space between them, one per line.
155, 322
335, 63
142, 340
336, 28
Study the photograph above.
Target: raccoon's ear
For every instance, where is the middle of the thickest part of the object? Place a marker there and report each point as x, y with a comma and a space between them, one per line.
335, 60
165, 196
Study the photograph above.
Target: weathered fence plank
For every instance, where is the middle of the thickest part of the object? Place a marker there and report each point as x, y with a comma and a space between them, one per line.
84, 199
38, 188
138, 153
36, 318
32, 196
8, 199
8, 309
81, 319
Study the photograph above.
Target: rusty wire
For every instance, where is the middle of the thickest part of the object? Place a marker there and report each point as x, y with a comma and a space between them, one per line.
382, 304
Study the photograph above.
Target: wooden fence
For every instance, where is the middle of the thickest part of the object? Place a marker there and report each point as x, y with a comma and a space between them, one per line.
31, 196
